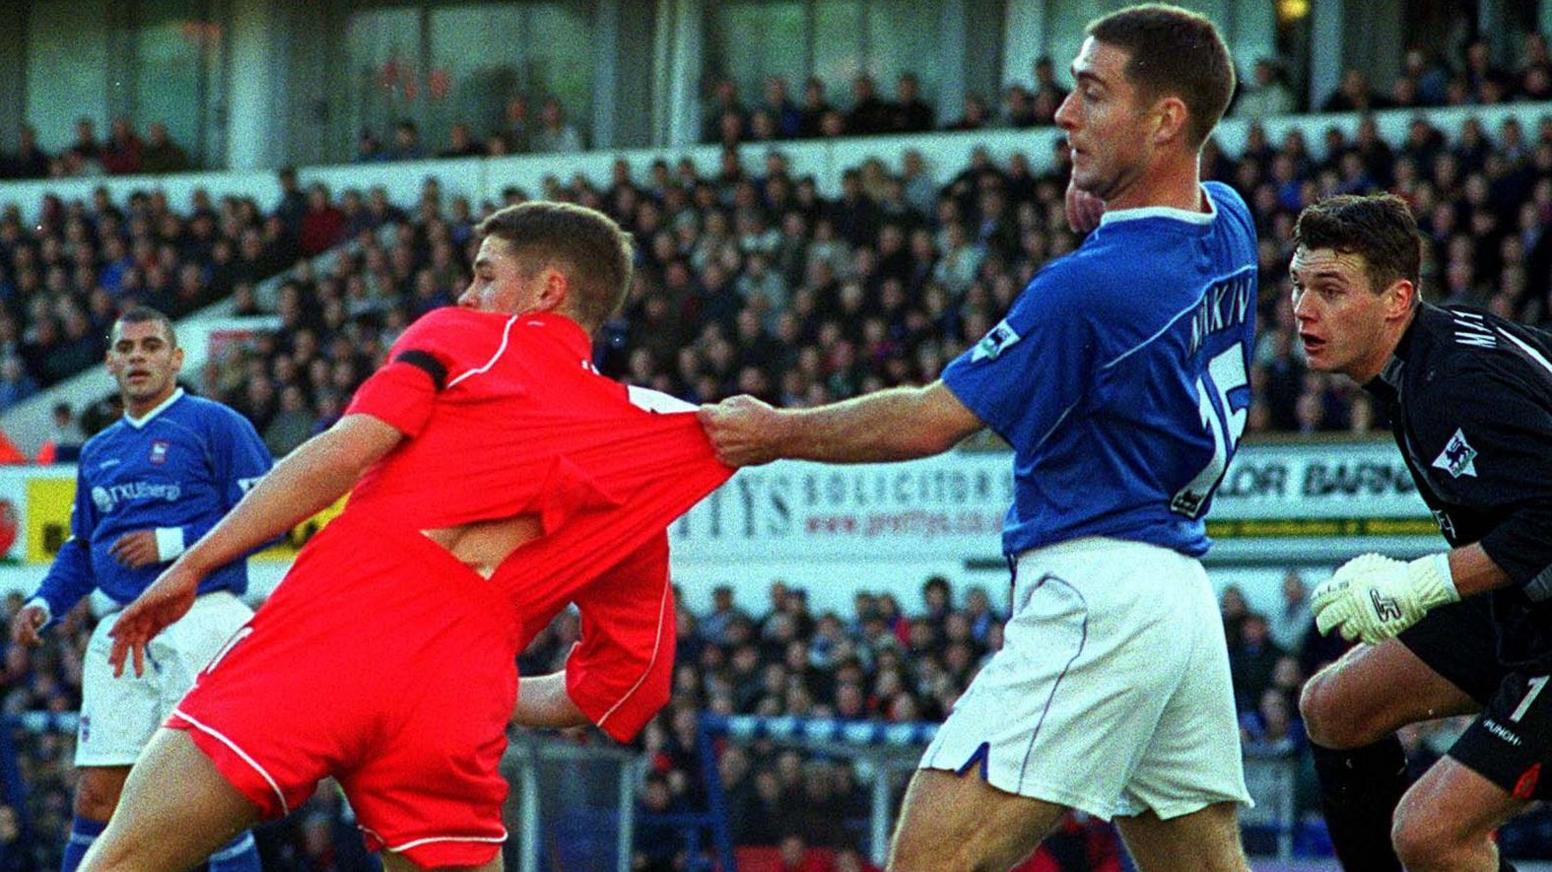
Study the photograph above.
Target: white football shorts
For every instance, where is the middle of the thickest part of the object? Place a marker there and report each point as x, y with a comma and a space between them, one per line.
1111, 693
119, 715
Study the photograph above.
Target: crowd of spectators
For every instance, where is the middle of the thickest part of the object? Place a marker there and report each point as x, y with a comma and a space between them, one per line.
745, 281
516, 132
1472, 79
64, 277
1483, 201
123, 153
45, 680
749, 280
726, 120
880, 662
1426, 81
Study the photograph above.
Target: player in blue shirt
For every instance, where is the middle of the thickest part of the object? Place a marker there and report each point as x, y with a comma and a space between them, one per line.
1120, 379
147, 486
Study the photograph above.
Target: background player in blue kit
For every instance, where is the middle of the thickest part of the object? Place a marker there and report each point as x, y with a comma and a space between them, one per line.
1119, 378
146, 487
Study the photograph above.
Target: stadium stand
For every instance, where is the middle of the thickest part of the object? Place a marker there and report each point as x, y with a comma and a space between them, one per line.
755, 282
751, 281
755, 276
65, 276
880, 663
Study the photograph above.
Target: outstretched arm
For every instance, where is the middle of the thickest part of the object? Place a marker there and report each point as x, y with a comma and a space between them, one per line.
896, 424
320, 471
310, 478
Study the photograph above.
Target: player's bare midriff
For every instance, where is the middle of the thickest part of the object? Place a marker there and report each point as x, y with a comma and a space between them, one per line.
482, 545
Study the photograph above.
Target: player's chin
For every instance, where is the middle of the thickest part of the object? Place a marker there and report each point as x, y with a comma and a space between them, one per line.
1317, 356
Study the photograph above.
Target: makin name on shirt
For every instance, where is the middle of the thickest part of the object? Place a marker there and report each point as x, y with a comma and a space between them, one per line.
1226, 304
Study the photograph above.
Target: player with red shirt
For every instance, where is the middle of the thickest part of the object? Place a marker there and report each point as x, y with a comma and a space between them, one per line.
497, 478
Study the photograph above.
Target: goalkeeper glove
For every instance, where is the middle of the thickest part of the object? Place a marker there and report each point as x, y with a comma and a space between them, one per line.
1373, 598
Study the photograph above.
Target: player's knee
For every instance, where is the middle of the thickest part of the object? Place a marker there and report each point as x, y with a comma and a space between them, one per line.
96, 798
1425, 841
1416, 842
1314, 708
1329, 721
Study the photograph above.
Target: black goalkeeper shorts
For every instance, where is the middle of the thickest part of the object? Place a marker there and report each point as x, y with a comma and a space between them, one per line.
1510, 742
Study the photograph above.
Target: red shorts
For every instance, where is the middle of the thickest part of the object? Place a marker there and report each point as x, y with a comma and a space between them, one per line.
381, 661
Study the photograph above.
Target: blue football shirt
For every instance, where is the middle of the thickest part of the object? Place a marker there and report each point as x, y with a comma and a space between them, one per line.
1120, 378
178, 470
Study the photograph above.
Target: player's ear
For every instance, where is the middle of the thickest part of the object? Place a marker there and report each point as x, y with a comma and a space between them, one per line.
554, 290
1399, 298
1170, 119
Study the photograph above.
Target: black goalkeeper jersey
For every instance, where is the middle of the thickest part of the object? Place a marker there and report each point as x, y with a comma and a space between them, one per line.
1469, 400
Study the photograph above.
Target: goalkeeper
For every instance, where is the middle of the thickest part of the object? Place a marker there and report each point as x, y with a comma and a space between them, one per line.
1468, 630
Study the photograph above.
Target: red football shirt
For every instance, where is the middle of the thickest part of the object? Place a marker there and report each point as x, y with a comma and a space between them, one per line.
506, 416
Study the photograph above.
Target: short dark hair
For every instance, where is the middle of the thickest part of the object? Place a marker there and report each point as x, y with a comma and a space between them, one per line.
1379, 227
585, 244
1173, 52
142, 315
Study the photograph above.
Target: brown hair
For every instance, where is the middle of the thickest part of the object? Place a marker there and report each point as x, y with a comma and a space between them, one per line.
1174, 52
146, 315
585, 244
1379, 227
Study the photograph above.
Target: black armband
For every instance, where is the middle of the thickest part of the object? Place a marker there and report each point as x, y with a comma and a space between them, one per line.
425, 361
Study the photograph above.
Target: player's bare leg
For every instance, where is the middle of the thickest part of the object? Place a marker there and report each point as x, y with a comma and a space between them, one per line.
960, 822
1351, 710
175, 811
96, 796
97, 791
1202, 841
1446, 821
398, 863
1373, 691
